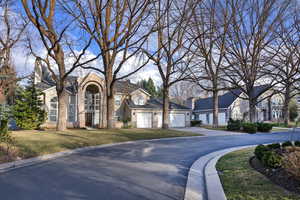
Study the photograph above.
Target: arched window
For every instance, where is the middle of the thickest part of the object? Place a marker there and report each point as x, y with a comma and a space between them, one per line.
53, 109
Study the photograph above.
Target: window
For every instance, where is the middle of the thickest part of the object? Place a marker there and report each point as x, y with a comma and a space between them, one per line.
71, 109
53, 109
139, 100
97, 101
118, 100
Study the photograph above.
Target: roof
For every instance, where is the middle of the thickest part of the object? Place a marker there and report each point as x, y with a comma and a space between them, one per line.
126, 87
226, 99
120, 86
155, 103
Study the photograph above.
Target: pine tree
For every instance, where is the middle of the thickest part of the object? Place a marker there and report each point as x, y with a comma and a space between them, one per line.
27, 111
151, 87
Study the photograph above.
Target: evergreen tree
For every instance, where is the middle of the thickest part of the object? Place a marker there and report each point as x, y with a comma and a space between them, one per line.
27, 111
149, 86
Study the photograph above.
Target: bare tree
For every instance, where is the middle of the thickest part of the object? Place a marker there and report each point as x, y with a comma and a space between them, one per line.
119, 29
251, 33
286, 63
52, 26
183, 90
173, 58
209, 26
11, 32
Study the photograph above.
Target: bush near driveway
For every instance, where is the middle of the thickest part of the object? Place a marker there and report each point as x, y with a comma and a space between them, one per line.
271, 159
249, 127
260, 151
264, 127
287, 144
234, 125
241, 182
297, 143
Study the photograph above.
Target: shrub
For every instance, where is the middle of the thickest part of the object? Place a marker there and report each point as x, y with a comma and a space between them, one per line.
260, 151
297, 143
196, 123
264, 127
5, 136
271, 159
287, 144
27, 110
249, 127
274, 146
234, 125
291, 163
3, 126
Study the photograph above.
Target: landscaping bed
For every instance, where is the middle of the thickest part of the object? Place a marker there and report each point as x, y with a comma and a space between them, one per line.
242, 182
32, 143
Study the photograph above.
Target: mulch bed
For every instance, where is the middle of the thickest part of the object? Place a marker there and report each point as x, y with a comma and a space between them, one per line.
278, 176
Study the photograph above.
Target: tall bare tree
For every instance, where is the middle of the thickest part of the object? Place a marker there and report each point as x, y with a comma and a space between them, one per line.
119, 30
11, 32
251, 33
173, 58
53, 28
209, 26
286, 63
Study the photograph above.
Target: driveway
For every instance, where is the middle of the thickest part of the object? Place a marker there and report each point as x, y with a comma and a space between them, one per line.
208, 132
155, 170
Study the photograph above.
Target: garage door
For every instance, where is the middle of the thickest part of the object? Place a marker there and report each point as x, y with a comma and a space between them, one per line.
159, 120
177, 120
144, 120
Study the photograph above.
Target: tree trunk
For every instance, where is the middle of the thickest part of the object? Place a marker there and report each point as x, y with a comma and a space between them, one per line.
110, 111
252, 110
61, 124
215, 109
286, 110
166, 118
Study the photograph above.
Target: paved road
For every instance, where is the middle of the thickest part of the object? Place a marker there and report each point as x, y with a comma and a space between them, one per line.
155, 170
208, 132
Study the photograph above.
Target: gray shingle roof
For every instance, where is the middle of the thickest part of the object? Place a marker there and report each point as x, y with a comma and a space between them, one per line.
156, 104
226, 99
125, 87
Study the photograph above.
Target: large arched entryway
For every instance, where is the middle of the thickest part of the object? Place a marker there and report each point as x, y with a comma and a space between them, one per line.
92, 106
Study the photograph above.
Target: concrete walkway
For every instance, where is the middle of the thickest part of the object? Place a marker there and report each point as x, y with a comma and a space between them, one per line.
208, 132
148, 170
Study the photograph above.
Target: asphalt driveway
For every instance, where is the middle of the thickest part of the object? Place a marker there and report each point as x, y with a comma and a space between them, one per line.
155, 170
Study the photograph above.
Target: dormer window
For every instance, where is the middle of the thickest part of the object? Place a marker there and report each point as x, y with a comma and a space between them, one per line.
139, 100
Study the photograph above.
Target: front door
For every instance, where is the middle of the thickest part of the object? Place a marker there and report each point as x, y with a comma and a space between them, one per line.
92, 106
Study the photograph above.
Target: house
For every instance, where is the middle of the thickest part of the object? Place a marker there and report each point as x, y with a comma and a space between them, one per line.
86, 103
233, 105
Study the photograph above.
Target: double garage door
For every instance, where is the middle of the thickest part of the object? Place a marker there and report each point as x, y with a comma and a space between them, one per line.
144, 120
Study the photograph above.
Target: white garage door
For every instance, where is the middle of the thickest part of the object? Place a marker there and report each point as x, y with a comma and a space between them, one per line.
159, 120
177, 120
144, 120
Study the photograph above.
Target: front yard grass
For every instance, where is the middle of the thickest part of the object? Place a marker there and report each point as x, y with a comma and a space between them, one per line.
241, 182
36, 143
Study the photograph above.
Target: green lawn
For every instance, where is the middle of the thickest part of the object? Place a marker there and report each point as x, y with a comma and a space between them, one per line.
242, 182
35, 143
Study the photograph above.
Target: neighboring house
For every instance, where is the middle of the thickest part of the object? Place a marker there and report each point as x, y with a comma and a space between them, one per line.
232, 105
87, 103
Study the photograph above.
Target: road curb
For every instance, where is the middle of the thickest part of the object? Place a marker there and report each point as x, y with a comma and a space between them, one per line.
203, 180
36, 160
